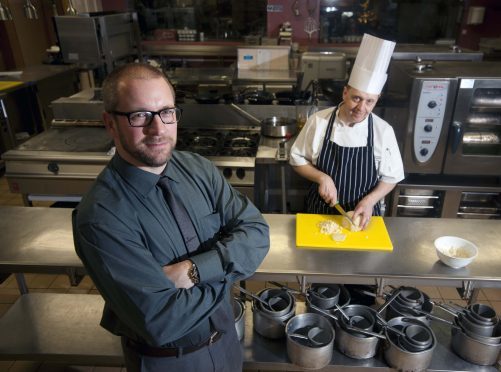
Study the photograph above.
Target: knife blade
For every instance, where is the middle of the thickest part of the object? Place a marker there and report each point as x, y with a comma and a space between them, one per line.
343, 213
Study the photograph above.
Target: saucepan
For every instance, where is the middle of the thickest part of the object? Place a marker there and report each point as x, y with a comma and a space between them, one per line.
310, 339
278, 127
271, 309
239, 313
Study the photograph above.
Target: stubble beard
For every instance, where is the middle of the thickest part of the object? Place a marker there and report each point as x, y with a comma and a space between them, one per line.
151, 158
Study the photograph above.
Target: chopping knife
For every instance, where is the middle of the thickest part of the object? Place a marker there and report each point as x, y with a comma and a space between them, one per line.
343, 213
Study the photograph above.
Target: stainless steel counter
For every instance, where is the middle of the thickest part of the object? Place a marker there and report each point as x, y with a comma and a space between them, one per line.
413, 259
47, 246
40, 240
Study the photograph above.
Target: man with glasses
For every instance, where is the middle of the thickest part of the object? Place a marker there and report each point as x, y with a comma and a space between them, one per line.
165, 291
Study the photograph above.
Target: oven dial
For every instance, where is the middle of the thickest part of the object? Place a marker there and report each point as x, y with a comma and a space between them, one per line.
240, 173
423, 152
432, 104
53, 167
428, 128
227, 172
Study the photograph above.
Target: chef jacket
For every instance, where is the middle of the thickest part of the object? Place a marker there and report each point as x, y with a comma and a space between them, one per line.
306, 149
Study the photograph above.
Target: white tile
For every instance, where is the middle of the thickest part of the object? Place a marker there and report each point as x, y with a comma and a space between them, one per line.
41, 281
492, 294
431, 292
61, 281
449, 293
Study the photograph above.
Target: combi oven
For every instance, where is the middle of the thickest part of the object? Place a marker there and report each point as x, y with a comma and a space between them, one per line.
447, 116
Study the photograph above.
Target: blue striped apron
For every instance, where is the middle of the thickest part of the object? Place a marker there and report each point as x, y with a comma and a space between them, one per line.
353, 170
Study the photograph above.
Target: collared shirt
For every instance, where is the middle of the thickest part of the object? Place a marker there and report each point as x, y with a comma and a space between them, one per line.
125, 233
306, 149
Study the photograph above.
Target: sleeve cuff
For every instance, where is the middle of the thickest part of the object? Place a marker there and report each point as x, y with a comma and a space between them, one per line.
209, 266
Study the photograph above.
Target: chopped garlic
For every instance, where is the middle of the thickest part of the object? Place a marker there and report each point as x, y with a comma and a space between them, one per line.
329, 227
338, 237
333, 229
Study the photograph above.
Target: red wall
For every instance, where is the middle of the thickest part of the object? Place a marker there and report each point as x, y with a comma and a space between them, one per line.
469, 35
275, 19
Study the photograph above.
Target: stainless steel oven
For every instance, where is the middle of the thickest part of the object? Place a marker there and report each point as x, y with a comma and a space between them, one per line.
447, 116
447, 197
62, 162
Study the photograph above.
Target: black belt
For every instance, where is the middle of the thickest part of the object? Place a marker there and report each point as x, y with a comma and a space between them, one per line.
171, 351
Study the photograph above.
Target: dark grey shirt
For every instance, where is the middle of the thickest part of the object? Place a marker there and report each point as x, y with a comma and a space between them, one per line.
124, 233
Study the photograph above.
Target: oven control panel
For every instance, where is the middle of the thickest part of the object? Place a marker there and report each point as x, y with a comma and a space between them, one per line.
238, 176
429, 118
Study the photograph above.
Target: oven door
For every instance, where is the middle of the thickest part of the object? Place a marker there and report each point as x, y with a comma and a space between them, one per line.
474, 145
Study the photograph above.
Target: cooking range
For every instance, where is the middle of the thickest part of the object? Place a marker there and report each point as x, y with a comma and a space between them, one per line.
62, 162
233, 150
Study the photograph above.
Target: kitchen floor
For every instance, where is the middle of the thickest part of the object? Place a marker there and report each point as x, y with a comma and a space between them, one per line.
60, 284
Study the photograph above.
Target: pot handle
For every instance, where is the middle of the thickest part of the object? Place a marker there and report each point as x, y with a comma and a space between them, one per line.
245, 113
393, 296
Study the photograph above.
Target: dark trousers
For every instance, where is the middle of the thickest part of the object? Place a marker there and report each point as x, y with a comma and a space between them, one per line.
225, 355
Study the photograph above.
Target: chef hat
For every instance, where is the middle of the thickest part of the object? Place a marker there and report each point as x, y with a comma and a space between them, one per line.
369, 71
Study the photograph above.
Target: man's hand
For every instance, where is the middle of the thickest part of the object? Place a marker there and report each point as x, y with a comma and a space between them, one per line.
178, 274
363, 209
327, 190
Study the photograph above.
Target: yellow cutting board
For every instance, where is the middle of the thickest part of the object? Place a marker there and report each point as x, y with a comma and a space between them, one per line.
4, 85
374, 238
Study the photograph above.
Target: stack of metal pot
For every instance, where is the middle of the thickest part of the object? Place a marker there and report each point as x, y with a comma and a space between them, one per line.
349, 340
310, 339
271, 314
476, 336
326, 297
410, 302
409, 344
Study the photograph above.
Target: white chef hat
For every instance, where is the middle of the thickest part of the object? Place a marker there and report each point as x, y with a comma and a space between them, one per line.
369, 71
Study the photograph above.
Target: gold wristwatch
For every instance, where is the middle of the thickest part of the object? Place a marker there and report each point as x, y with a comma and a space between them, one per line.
193, 273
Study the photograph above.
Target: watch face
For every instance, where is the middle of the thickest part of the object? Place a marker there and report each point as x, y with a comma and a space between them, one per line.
193, 274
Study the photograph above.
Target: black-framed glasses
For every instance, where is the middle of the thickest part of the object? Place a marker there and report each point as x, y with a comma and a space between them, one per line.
170, 115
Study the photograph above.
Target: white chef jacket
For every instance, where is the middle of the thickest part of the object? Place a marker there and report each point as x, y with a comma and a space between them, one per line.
306, 149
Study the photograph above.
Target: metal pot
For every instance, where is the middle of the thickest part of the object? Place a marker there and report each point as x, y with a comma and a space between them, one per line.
407, 300
325, 296
239, 312
282, 301
259, 97
483, 314
403, 360
344, 299
467, 322
303, 352
271, 324
361, 317
354, 346
278, 127
474, 350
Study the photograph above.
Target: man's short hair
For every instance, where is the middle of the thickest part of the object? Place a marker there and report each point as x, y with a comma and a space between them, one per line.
111, 83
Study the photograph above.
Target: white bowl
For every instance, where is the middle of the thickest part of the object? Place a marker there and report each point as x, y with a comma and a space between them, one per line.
455, 252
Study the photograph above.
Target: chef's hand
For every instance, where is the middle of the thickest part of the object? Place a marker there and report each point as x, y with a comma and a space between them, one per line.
327, 190
178, 274
364, 210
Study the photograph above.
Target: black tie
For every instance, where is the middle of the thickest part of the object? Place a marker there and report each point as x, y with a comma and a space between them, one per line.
181, 216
